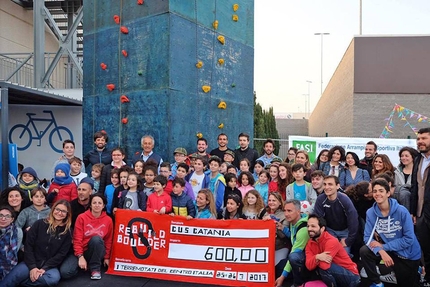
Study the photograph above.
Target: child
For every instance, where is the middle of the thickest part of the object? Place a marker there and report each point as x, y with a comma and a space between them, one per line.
258, 167
96, 172
217, 182
182, 204
159, 201
253, 205
110, 189
150, 172
133, 198
229, 156
63, 186
27, 180
165, 170
246, 182
205, 205
38, 210
182, 172
180, 155
198, 179
231, 169
300, 189
231, 187
123, 175
233, 209
244, 165
223, 168
75, 170
274, 176
263, 185
138, 167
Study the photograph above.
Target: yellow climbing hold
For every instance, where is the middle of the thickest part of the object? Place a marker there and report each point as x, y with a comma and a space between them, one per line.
206, 89
235, 18
235, 7
221, 39
222, 105
221, 125
199, 135
199, 64
221, 61
215, 24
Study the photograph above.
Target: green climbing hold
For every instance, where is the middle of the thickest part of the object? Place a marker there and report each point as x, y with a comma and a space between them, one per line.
233, 85
140, 72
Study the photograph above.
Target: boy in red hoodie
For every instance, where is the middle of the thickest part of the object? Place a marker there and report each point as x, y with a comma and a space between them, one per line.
159, 201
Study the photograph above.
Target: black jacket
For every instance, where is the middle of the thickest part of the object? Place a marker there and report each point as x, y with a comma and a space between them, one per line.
249, 153
94, 156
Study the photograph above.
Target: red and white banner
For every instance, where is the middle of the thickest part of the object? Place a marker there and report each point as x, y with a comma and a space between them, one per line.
219, 252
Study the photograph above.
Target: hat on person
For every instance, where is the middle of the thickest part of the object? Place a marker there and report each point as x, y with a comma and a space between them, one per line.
88, 180
194, 155
230, 152
65, 167
277, 159
30, 171
180, 150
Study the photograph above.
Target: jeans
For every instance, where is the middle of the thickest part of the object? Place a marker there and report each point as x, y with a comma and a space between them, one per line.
297, 261
69, 267
340, 234
95, 253
339, 276
20, 275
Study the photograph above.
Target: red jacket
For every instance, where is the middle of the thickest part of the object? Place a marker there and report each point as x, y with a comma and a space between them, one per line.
327, 243
87, 226
156, 202
68, 192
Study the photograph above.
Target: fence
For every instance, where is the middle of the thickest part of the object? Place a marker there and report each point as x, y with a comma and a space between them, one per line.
282, 143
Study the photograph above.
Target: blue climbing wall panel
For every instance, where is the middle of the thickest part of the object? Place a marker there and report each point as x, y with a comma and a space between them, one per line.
159, 76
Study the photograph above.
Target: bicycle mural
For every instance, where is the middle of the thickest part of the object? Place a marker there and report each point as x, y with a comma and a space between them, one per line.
24, 134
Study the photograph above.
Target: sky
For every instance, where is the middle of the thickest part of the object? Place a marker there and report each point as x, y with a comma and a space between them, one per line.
288, 54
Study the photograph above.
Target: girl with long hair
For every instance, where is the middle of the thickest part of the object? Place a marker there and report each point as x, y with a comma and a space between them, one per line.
253, 205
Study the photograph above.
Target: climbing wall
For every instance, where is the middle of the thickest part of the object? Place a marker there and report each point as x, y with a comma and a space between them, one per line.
174, 69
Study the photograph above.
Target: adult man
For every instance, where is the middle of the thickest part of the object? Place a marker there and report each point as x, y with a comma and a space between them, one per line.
338, 211
222, 146
147, 142
268, 156
299, 236
420, 195
100, 154
202, 146
317, 180
244, 151
69, 267
369, 154
69, 152
333, 263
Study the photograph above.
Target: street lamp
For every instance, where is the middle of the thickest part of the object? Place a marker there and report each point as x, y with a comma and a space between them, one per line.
322, 36
306, 104
309, 95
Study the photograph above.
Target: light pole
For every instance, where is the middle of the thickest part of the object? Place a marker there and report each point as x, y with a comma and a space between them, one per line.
309, 95
306, 104
322, 37
361, 17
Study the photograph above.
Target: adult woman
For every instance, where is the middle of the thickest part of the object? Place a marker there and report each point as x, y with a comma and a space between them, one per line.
389, 235
303, 158
333, 166
10, 241
291, 155
402, 175
321, 158
15, 198
353, 174
118, 156
285, 177
92, 237
381, 163
47, 244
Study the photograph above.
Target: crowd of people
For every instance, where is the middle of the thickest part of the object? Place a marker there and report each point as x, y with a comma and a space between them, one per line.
329, 214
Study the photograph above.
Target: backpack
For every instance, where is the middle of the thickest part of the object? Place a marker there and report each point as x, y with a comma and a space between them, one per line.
316, 283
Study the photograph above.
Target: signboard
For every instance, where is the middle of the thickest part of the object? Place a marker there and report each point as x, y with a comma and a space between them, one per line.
219, 252
313, 145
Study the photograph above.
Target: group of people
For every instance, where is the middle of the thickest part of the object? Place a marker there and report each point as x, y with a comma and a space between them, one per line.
328, 213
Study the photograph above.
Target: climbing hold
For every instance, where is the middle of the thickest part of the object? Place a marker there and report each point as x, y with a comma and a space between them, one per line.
116, 19
215, 24
206, 89
124, 99
233, 85
222, 105
235, 18
124, 30
221, 39
140, 72
221, 125
235, 7
124, 53
221, 61
103, 66
110, 87
124, 121
139, 2
199, 64
199, 135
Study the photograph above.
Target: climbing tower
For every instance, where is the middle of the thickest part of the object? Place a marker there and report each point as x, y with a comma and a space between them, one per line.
174, 69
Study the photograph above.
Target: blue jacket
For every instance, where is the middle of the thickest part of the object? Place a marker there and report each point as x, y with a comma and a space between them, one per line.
205, 214
155, 157
396, 230
325, 167
94, 156
206, 179
183, 205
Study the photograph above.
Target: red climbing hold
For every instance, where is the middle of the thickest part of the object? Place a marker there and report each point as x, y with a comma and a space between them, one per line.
103, 66
124, 120
110, 87
139, 2
124, 99
116, 19
124, 30
124, 53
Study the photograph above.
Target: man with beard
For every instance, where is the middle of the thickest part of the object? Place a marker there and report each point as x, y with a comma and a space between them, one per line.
69, 267
420, 195
222, 146
100, 154
202, 146
333, 263
369, 154
244, 151
268, 156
